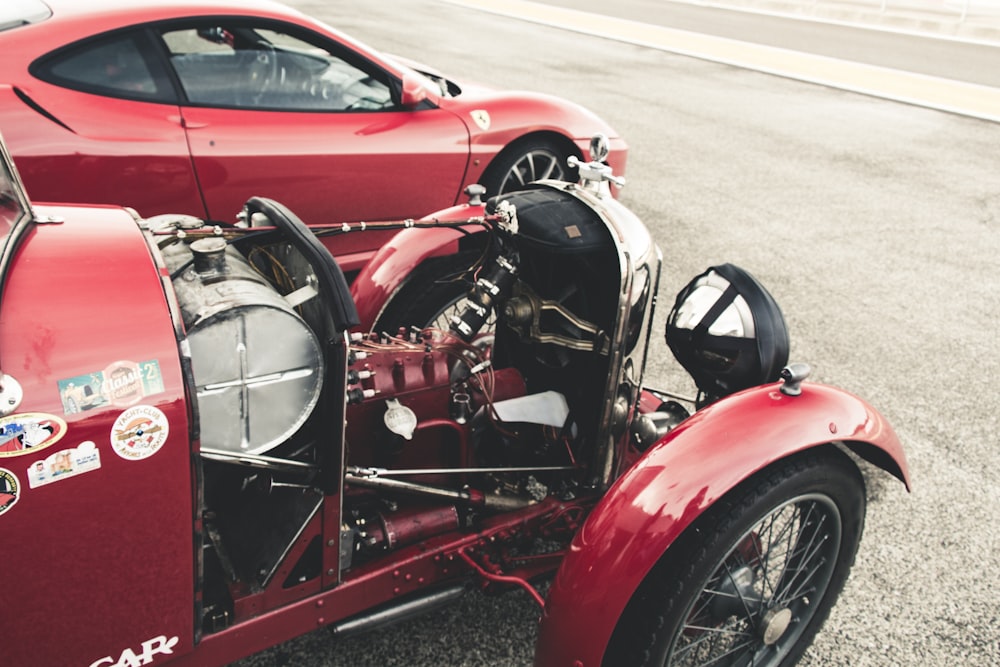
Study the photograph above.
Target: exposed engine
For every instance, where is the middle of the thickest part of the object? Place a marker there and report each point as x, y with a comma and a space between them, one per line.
439, 430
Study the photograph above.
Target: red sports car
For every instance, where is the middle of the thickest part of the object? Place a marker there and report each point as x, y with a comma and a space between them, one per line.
192, 107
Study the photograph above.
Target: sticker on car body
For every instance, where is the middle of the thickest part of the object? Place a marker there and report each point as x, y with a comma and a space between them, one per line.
139, 432
120, 384
29, 432
10, 490
64, 464
145, 655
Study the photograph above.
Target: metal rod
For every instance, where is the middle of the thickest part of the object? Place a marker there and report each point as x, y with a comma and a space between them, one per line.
503, 578
385, 472
255, 460
398, 485
670, 394
386, 616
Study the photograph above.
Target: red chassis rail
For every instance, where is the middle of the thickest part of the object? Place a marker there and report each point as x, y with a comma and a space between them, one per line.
426, 567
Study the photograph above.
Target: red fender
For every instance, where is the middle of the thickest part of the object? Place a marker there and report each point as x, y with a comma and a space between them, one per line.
390, 267
673, 483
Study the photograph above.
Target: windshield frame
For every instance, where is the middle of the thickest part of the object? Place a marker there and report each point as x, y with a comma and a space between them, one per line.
13, 228
15, 208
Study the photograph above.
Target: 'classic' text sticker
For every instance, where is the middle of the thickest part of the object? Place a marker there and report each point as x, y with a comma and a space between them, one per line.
121, 384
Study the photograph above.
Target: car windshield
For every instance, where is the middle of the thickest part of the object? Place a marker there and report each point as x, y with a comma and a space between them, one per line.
14, 13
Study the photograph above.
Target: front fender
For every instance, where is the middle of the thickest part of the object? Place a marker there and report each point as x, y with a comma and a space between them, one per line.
673, 483
395, 261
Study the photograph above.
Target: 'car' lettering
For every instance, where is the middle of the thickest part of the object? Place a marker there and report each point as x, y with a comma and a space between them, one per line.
151, 647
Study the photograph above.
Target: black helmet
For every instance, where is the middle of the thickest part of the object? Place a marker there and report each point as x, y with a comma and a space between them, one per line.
727, 331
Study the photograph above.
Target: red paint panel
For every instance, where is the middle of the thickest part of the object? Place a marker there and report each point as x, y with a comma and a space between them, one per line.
329, 167
395, 261
104, 557
107, 151
680, 477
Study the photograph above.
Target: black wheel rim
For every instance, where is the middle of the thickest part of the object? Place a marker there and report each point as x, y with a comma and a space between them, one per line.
533, 166
760, 597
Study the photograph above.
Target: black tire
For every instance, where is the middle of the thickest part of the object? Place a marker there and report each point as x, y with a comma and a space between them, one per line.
753, 579
432, 294
528, 161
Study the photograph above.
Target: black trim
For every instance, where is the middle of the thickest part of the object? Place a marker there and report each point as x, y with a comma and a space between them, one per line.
39, 108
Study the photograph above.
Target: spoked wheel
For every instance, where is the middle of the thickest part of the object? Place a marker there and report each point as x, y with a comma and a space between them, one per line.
751, 582
525, 164
434, 294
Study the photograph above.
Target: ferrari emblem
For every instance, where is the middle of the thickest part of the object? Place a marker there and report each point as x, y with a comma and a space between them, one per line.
482, 118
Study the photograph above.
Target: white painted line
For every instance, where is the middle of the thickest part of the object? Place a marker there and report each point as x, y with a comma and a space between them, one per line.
967, 99
819, 18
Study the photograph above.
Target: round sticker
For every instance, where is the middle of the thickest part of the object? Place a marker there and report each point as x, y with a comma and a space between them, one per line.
29, 432
10, 488
139, 432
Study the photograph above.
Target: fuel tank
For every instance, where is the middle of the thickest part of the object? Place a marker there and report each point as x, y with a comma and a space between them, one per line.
257, 365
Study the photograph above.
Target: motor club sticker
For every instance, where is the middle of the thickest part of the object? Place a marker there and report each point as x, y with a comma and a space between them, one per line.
120, 384
29, 432
139, 432
64, 464
10, 489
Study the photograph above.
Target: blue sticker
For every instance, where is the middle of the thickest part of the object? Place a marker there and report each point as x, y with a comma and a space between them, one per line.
121, 384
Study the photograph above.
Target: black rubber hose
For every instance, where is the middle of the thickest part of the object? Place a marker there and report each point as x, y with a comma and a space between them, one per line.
328, 273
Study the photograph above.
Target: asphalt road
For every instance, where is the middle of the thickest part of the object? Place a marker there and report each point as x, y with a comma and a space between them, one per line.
876, 225
952, 59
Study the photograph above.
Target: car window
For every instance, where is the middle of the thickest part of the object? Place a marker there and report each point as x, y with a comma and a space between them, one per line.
259, 67
118, 65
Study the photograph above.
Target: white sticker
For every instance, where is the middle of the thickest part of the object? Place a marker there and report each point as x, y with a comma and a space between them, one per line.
64, 464
139, 432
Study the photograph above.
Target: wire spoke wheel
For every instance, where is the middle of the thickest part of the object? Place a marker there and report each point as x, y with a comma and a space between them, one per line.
760, 596
751, 580
435, 293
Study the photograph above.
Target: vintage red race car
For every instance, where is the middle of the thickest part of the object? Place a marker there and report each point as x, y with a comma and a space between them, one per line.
193, 107
250, 464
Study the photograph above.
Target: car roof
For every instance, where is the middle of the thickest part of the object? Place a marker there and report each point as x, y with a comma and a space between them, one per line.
14, 13
79, 17
159, 8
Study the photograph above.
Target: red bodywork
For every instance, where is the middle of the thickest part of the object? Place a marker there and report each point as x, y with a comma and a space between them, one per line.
145, 549
673, 484
178, 157
395, 261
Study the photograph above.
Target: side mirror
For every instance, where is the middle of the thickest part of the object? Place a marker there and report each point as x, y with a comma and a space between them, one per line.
414, 91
